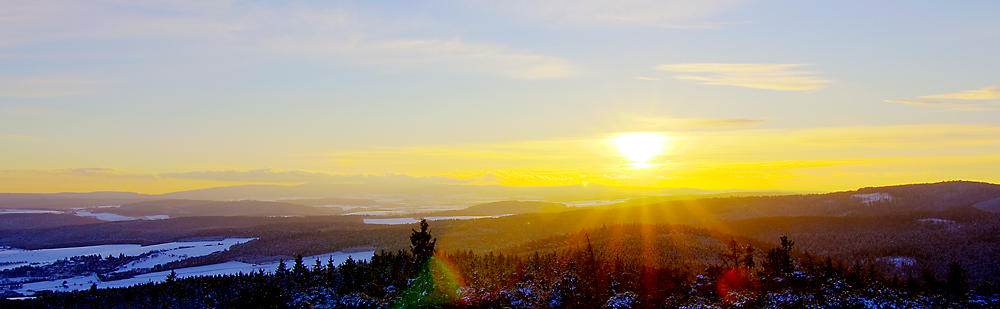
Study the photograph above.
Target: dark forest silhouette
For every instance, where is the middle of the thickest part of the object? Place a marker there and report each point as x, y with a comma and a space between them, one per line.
747, 277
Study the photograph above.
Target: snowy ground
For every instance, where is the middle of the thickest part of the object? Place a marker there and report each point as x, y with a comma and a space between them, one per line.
233, 267
873, 197
28, 211
80, 212
105, 216
391, 221
415, 220
936, 220
593, 203
167, 252
898, 261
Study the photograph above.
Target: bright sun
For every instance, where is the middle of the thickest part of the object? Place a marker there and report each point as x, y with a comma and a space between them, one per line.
640, 147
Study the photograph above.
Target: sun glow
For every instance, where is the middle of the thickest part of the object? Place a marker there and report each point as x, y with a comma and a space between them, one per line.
638, 148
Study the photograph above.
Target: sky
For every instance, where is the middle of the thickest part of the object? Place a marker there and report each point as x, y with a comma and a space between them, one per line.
163, 96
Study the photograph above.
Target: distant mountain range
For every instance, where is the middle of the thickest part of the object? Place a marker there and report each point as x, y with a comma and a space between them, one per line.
316, 200
359, 195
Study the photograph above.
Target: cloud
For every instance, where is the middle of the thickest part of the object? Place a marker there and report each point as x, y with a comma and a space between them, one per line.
945, 100
647, 78
675, 123
680, 14
20, 138
750, 75
103, 172
33, 87
461, 56
987, 93
332, 33
966, 106
270, 175
901, 136
56, 20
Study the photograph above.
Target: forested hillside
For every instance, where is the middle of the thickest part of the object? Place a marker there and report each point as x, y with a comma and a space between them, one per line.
583, 275
902, 233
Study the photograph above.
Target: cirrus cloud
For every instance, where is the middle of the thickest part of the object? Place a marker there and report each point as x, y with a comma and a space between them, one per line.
680, 123
222, 30
677, 14
751, 75
971, 100
980, 94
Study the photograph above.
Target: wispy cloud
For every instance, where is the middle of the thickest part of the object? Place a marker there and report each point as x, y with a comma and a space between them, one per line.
457, 55
54, 20
104, 172
971, 100
901, 136
966, 106
332, 33
266, 175
20, 138
675, 123
270, 175
986, 93
680, 14
750, 75
30, 87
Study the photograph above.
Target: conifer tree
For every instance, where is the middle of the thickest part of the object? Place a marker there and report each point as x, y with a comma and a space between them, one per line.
282, 272
957, 285
779, 260
299, 270
422, 245
172, 277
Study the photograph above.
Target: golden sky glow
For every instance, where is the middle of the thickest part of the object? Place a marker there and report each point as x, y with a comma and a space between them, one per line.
156, 97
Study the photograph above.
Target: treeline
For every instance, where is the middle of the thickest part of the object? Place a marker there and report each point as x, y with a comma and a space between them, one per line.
70, 267
931, 239
743, 276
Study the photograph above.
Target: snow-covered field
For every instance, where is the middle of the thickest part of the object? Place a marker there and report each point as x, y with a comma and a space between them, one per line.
167, 252
105, 216
228, 268
415, 220
28, 211
79, 212
391, 221
898, 261
593, 203
936, 220
873, 197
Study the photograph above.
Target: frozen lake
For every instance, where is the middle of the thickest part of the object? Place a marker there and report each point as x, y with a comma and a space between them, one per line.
227, 268
166, 252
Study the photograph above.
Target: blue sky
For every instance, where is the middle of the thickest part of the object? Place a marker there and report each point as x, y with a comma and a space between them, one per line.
818, 95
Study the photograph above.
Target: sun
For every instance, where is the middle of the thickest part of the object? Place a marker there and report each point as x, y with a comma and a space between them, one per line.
639, 148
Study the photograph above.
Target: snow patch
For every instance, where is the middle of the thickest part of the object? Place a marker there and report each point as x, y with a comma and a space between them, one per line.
898, 261
873, 197
415, 220
936, 221
104, 216
28, 211
183, 252
227, 268
591, 203
464, 217
13, 258
391, 221
371, 213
